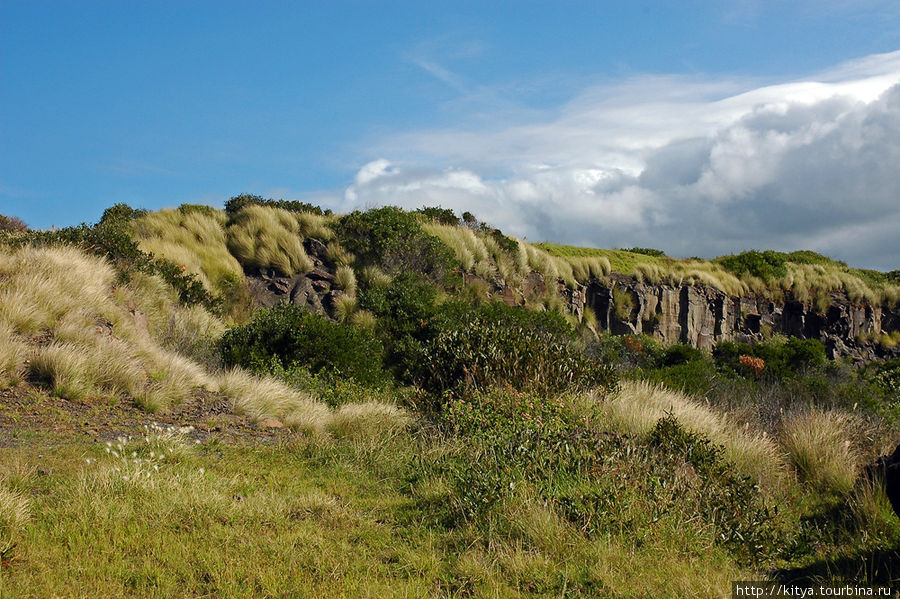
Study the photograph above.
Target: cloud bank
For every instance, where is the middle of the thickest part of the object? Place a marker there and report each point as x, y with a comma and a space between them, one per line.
692, 166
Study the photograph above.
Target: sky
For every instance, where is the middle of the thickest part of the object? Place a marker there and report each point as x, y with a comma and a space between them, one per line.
700, 128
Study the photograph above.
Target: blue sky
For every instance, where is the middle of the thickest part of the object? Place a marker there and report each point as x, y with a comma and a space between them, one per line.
697, 127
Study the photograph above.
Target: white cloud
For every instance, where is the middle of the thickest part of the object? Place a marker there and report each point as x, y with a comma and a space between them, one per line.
692, 166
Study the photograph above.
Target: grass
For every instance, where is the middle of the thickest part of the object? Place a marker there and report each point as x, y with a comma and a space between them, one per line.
821, 445
262, 237
192, 238
637, 406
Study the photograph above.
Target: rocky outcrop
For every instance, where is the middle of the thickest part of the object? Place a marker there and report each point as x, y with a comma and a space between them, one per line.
701, 316
886, 470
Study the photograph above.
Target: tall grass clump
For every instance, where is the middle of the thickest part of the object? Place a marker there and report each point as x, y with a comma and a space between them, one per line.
193, 237
13, 353
104, 337
264, 237
636, 407
821, 446
261, 397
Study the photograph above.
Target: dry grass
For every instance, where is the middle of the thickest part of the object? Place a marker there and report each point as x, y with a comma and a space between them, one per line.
15, 513
265, 237
820, 444
103, 344
364, 319
192, 238
636, 407
13, 353
370, 421
259, 398
345, 278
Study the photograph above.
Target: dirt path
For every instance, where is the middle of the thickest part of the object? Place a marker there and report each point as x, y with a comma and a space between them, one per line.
29, 416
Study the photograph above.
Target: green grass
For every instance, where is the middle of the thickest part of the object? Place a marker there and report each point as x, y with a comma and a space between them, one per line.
621, 261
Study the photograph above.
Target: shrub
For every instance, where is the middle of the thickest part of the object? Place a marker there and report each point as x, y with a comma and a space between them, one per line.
11, 223
647, 252
444, 216
783, 358
291, 336
768, 265
478, 347
395, 241
238, 203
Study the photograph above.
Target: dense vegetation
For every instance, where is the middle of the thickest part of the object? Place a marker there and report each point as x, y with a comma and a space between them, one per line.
443, 442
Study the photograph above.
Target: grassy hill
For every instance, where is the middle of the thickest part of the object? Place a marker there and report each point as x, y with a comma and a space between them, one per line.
160, 436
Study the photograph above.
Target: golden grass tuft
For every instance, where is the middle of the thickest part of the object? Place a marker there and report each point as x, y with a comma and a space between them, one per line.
15, 512
364, 319
344, 308
820, 444
345, 278
194, 239
336, 253
314, 225
13, 353
259, 398
369, 420
636, 407
265, 237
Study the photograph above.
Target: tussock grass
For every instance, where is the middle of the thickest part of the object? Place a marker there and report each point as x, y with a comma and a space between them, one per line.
77, 371
820, 444
103, 344
258, 398
345, 307
345, 278
313, 225
370, 420
336, 253
374, 277
364, 319
265, 237
192, 238
636, 407
15, 512
13, 353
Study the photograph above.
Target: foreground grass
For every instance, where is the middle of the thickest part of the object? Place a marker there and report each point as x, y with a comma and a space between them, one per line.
163, 517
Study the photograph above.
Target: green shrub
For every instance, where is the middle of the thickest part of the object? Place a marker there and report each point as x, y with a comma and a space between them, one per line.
479, 347
784, 358
647, 252
767, 265
444, 216
395, 241
293, 337
235, 204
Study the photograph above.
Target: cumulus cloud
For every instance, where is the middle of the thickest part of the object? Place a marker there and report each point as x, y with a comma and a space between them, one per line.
692, 166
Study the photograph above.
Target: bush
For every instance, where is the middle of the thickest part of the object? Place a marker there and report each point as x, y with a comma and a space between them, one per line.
767, 265
479, 347
647, 252
291, 336
444, 216
395, 241
11, 223
783, 358
235, 204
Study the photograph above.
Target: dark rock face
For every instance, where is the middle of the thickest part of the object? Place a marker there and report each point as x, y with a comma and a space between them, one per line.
887, 470
701, 316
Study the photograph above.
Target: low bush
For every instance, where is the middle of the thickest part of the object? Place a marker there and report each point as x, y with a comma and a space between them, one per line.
782, 358
237, 203
396, 241
292, 336
768, 265
479, 347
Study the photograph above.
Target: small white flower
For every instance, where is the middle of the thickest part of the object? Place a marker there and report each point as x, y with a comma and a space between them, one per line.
134, 454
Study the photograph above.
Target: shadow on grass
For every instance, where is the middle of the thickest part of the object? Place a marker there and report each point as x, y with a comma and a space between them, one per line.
876, 567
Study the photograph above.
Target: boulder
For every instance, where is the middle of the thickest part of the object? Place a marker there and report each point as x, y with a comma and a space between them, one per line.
887, 470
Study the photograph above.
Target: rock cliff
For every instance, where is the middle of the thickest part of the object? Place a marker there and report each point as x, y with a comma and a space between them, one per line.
701, 316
